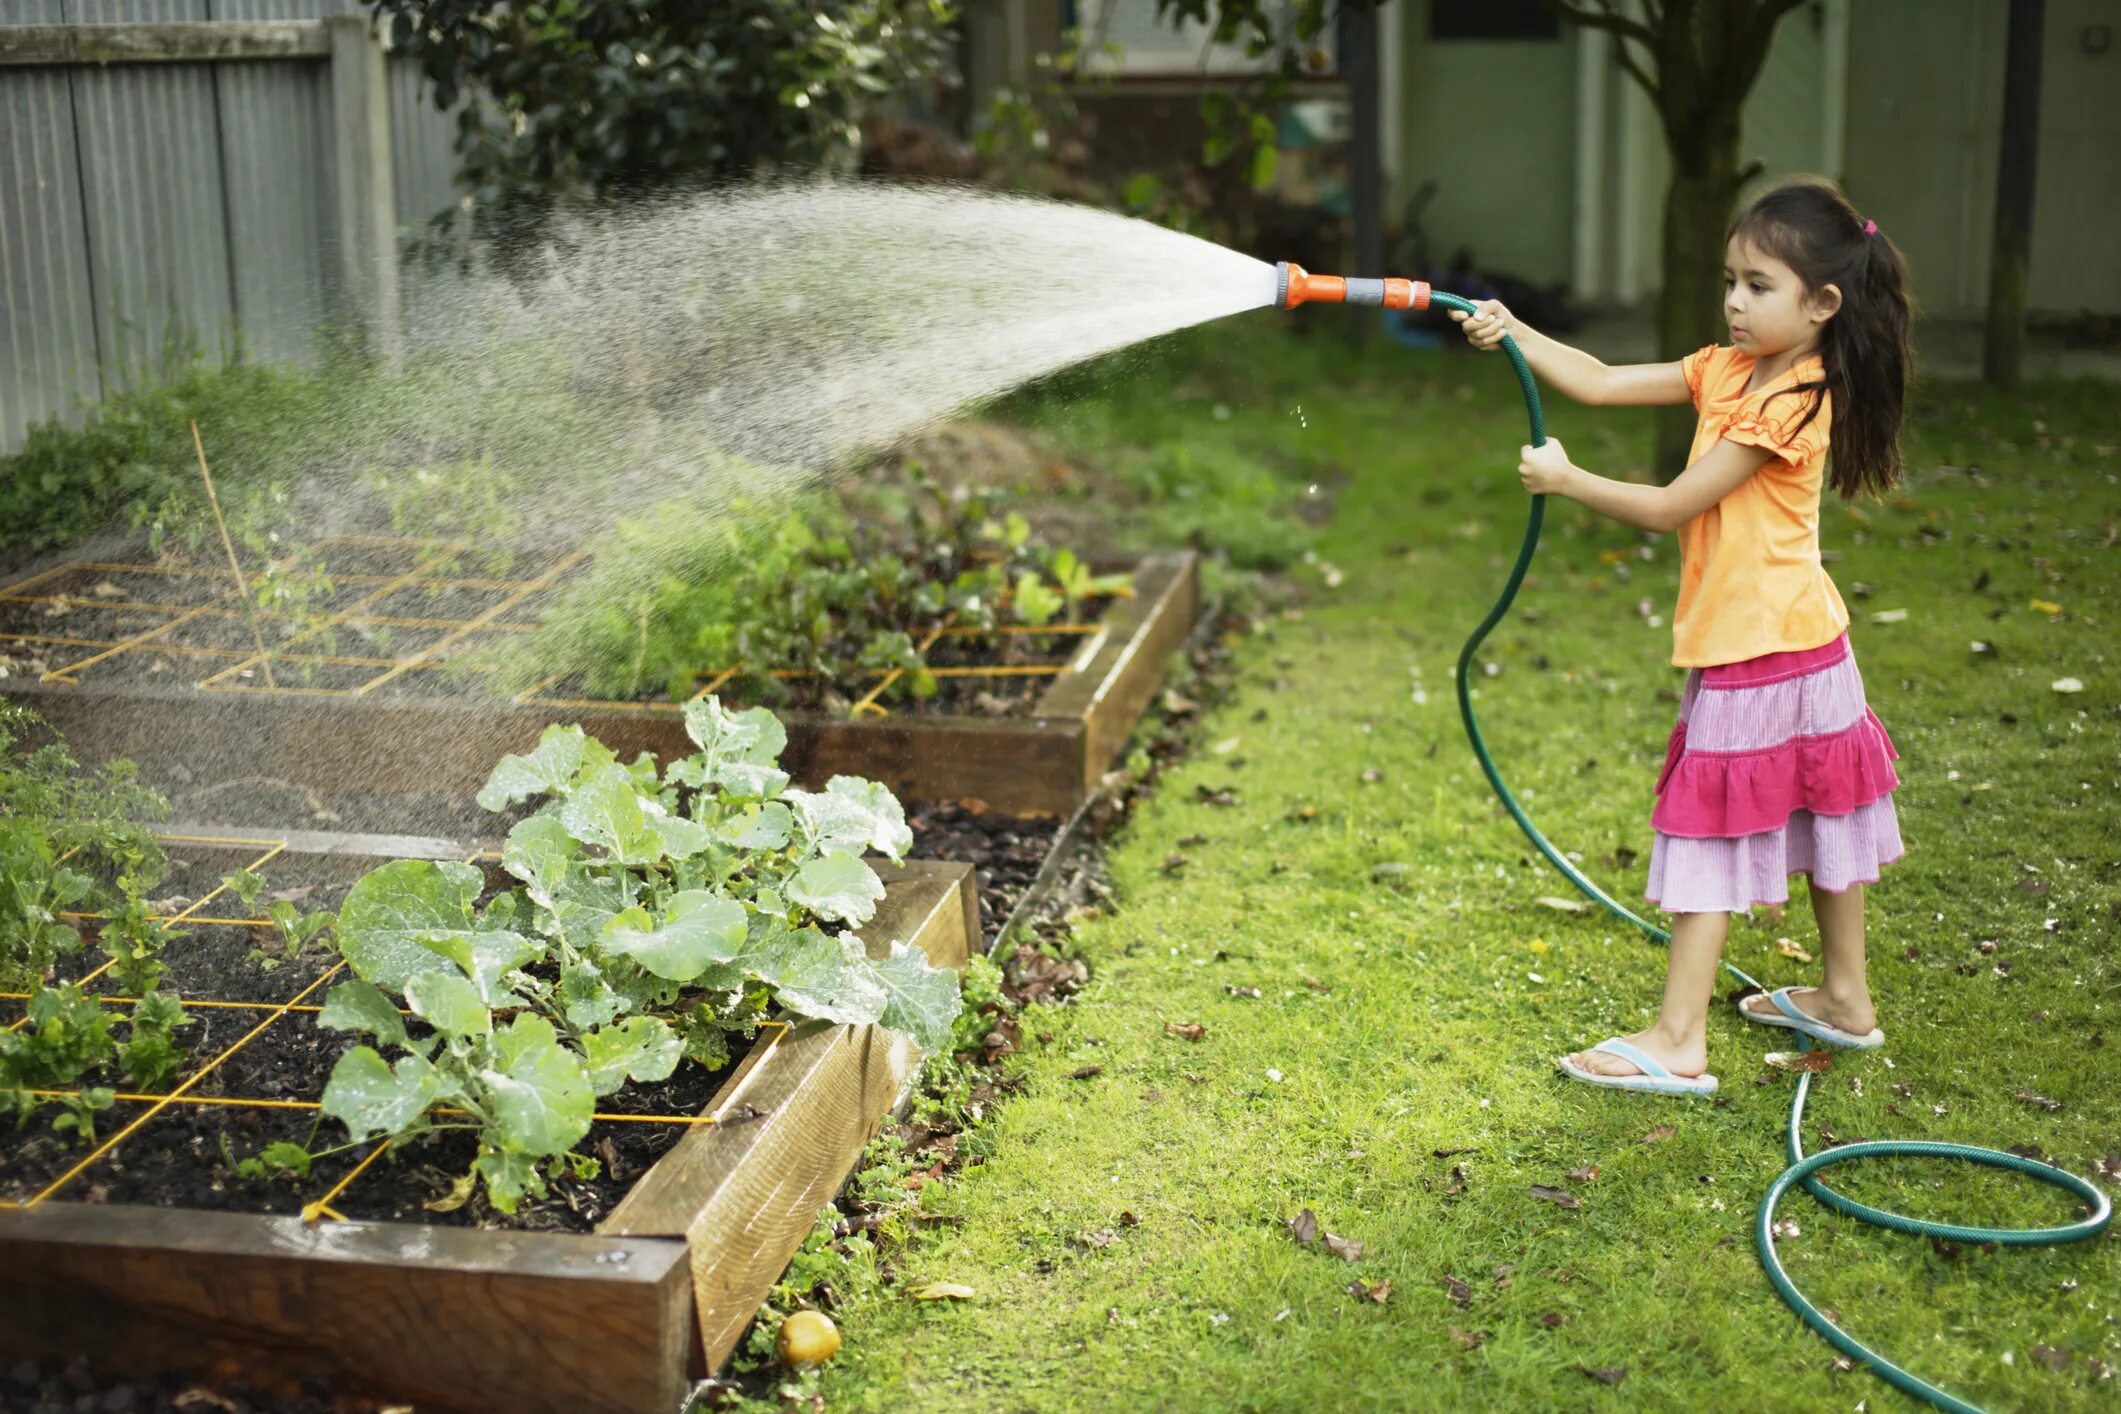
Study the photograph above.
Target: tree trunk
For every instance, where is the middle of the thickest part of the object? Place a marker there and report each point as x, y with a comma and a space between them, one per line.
2003, 350
1697, 212
1366, 178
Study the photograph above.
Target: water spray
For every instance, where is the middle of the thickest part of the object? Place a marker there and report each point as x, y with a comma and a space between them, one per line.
1293, 286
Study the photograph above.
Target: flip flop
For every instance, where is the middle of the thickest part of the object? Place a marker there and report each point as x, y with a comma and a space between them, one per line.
1812, 1026
1655, 1079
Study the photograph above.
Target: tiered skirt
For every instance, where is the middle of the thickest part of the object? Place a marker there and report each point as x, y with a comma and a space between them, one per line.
1777, 766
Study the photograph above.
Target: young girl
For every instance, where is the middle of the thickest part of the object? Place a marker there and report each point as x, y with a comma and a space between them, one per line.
1776, 766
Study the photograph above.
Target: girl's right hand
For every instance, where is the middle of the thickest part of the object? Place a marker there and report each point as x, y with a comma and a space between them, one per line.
1486, 325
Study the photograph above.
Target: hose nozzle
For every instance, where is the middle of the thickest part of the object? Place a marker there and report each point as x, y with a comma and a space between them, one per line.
1293, 285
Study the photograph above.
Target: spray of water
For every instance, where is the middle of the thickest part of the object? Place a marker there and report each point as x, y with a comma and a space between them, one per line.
708, 356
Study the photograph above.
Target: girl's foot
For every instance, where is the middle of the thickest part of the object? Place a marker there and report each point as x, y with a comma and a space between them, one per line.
1857, 1017
1689, 1060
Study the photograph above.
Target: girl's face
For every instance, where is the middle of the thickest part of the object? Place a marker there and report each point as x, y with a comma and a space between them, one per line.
1767, 306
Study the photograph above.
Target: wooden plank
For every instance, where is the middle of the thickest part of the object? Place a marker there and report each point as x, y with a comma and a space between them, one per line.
453, 1318
745, 1194
166, 42
1110, 692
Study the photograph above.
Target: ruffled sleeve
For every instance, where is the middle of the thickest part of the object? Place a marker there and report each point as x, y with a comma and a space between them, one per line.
1771, 420
1694, 366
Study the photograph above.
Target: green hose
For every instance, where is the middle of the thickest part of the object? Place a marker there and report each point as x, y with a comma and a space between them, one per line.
1801, 1169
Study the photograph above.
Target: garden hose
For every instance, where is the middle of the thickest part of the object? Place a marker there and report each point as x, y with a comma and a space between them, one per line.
1294, 287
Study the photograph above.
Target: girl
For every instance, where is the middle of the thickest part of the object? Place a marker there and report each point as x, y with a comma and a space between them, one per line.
1776, 766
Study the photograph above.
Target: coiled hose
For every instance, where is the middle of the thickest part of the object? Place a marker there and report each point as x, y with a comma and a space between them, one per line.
1801, 1170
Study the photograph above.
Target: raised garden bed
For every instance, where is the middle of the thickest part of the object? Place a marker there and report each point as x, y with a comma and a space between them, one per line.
375, 688
609, 1295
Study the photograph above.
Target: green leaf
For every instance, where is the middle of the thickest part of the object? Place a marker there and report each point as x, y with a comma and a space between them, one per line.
682, 838
699, 930
923, 1000
509, 1178
760, 827
393, 919
838, 888
545, 770
541, 1096
449, 1003
754, 735
825, 977
605, 810
644, 1048
370, 1097
284, 1157
750, 780
855, 815
584, 906
361, 1006
586, 999
540, 852
1034, 601
484, 958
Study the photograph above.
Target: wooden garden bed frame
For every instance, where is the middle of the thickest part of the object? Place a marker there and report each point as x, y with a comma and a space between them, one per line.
623, 1319
1045, 764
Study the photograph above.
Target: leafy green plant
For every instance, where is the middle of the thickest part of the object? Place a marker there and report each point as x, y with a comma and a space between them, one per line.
79, 1111
652, 917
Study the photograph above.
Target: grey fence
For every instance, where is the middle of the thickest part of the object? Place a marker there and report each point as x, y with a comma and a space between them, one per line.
222, 174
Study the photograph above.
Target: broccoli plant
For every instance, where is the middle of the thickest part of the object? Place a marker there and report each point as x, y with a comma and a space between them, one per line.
651, 917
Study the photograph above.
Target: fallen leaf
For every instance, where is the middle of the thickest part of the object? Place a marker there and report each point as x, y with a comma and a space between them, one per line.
1304, 814
1611, 1376
1179, 706
1659, 1134
942, 1291
2045, 606
1342, 1248
1460, 1292
1192, 841
2054, 1359
1391, 869
1103, 1237
2041, 1100
1237, 991
1372, 776
1784, 1228
1471, 1340
1185, 1030
1173, 863
1303, 1227
1789, 948
1812, 1061
2067, 685
1227, 745
1587, 1174
1889, 616
1564, 905
1085, 1072
2108, 1168
1376, 1292
1553, 1320
1560, 1198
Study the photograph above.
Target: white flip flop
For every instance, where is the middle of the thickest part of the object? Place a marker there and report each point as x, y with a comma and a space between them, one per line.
1656, 1078
1796, 1020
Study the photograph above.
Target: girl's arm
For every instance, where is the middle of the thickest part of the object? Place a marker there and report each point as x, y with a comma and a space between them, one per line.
1722, 469
1574, 372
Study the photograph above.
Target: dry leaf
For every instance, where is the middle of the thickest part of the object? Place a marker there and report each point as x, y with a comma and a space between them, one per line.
1611, 1376
1185, 1030
1553, 1320
1373, 1291
1227, 745
1085, 1072
1813, 1061
1471, 1340
2041, 1100
1789, 948
942, 1291
1560, 1198
1173, 863
1659, 1134
1460, 1292
1303, 1227
1587, 1174
1889, 616
1103, 1237
1342, 1248
1565, 905
2067, 685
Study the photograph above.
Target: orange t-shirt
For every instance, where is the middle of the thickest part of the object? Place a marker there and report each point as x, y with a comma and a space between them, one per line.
1750, 581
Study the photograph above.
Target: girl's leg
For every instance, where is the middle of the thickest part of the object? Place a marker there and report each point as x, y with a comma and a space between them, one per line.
1843, 997
1679, 1037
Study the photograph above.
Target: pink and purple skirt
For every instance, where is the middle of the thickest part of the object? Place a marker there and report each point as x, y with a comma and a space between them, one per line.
1777, 767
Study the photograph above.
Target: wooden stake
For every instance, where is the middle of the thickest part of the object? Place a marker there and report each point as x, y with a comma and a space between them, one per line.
235, 566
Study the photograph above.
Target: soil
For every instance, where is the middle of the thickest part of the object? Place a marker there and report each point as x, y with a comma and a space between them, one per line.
75, 1387
1006, 850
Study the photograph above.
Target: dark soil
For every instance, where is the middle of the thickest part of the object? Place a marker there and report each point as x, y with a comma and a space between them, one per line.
74, 1387
1007, 850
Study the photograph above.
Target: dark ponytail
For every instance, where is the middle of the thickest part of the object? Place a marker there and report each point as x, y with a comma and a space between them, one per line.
1809, 226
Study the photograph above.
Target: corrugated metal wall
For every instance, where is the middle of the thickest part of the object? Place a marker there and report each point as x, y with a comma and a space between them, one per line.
150, 209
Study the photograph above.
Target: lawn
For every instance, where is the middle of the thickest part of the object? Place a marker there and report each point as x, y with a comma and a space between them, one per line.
1330, 893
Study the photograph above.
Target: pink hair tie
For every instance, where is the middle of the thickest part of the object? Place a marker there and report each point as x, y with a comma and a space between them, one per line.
1870, 228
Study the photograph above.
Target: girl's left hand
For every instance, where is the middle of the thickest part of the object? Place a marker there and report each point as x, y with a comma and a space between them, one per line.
1546, 469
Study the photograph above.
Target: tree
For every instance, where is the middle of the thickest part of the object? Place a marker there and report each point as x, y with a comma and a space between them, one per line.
2003, 347
1698, 62
568, 100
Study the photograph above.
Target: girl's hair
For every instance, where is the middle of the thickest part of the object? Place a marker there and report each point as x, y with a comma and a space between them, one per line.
1809, 226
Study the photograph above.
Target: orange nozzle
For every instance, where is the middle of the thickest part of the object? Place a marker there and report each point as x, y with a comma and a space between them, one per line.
1294, 285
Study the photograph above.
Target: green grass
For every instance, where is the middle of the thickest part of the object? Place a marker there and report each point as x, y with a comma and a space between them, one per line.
1444, 991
